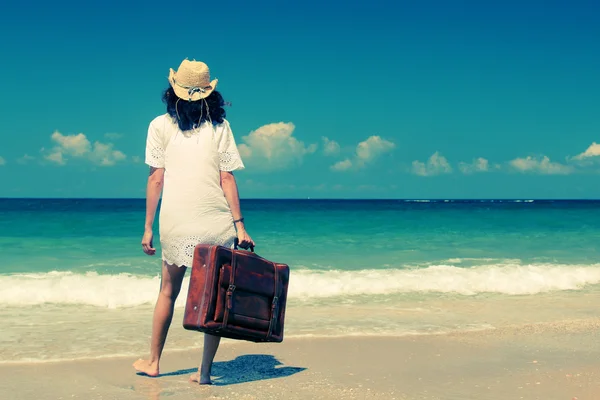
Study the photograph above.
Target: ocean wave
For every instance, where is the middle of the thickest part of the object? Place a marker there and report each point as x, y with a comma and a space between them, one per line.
480, 260
127, 290
509, 279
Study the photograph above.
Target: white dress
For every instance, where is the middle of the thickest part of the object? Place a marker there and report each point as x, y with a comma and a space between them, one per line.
194, 208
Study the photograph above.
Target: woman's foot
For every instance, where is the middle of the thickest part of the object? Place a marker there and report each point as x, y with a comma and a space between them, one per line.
146, 367
201, 379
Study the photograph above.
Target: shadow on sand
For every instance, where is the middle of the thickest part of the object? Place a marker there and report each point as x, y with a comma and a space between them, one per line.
246, 368
249, 368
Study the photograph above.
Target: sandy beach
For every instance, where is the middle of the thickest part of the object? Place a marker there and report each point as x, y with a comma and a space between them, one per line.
482, 301
543, 361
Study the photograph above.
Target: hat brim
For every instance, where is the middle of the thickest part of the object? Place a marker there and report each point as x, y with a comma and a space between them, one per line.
183, 94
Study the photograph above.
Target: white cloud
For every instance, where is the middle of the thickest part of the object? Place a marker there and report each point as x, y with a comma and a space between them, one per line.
330, 147
56, 156
25, 159
273, 146
104, 154
592, 151
366, 152
436, 165
78, 146
2, 161
342, 165
478, 165
373, 147
136, 159
541, 166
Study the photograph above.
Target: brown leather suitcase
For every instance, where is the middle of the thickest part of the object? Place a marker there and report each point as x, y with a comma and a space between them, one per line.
236, 294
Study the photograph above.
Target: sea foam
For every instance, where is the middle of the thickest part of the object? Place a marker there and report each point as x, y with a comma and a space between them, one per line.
127, 290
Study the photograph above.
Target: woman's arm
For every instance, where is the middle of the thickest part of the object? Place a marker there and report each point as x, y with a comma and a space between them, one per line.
153, 191
229, 186
230, 189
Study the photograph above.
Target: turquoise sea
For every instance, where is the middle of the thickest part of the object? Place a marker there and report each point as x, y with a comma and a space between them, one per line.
74, 282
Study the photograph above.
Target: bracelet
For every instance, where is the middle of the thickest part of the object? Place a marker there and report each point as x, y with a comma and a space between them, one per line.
239, 220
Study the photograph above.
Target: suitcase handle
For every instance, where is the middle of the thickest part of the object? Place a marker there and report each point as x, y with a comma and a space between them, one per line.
236, 245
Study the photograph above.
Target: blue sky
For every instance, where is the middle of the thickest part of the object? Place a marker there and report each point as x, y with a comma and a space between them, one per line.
442, 99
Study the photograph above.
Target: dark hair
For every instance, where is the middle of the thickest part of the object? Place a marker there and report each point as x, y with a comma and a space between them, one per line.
189, 114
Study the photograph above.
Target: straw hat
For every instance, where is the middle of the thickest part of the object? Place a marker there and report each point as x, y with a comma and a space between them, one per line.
192, 80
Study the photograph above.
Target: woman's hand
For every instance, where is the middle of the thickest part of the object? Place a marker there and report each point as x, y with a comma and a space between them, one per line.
147, 243
244, 240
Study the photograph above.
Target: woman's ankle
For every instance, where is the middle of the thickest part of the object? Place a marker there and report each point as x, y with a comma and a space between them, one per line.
204, 370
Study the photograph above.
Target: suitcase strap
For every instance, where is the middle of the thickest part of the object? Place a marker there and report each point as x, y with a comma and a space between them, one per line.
231, 289
275, 303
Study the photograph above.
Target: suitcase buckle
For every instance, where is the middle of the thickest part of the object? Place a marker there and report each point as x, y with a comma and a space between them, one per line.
274, 309
229, 296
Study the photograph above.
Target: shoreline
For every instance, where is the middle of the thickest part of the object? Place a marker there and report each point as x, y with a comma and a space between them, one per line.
567, 326
231, 342
442, 317
554, 360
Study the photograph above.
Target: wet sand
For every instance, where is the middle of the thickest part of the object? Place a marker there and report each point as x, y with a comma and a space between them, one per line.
546, 361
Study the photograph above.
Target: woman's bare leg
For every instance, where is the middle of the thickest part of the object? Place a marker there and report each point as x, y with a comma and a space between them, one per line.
211, 344
172, 276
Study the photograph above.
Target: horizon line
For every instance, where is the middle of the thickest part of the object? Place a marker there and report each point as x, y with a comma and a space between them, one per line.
330, 198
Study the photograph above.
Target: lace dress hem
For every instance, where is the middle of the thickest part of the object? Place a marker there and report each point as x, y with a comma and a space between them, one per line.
179, 251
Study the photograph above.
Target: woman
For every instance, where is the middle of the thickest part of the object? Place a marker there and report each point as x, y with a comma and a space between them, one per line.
191, 153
